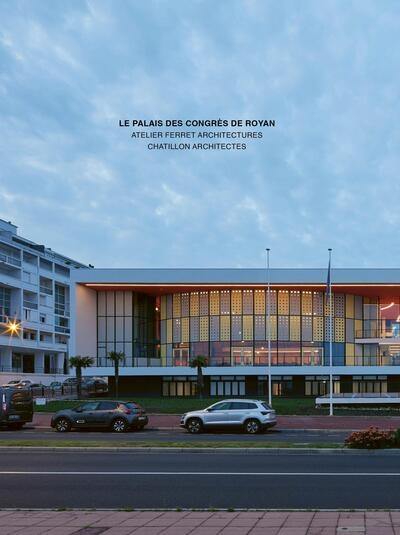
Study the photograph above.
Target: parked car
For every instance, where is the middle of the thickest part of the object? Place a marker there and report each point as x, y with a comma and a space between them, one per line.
92, 386
118, 416
55, 385
251, 415
16, 406
18, 383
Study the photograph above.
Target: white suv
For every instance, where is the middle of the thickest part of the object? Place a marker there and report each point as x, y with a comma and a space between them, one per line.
252, 415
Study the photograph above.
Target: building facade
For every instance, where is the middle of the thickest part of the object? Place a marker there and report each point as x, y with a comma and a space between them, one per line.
34, 309
162, 318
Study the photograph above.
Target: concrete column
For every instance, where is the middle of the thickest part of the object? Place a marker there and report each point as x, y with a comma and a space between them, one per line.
60, 362
39, 362
5, 359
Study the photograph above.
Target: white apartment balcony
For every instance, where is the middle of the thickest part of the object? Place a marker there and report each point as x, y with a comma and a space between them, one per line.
8, 260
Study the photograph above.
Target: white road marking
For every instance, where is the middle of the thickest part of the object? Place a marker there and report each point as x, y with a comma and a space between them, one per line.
131, 473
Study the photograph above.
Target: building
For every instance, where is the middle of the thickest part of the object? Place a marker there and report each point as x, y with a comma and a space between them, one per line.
161, 318
34, 308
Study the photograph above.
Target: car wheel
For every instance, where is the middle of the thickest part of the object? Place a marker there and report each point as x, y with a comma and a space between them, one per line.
194, 425
119, 425
63, 425
252, 426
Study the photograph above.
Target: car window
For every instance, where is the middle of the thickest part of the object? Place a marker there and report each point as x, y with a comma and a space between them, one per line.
266, 406
92, 406
107, 405
243, 405
223, 406
133, 406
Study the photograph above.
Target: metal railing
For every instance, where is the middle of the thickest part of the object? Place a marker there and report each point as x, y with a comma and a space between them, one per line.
10, 260
393, 332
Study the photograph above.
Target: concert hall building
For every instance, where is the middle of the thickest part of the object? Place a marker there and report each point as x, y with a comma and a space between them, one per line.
162, 318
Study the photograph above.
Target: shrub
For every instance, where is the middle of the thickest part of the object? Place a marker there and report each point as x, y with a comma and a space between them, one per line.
371, 438
396, 438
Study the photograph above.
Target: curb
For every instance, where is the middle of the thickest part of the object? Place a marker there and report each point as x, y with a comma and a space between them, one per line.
252, 451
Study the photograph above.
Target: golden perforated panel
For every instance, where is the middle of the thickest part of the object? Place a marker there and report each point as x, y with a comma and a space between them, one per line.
203, 303
185, 329
339, 305
194, 304
306, 303
294, 328
274, 327
236, 302
163, 305
225, 328
247, 327
247, 301
283, 302
185, 304
214, 303
225, 298
203, 328
259, 302
176, 305
339, 329
318, 329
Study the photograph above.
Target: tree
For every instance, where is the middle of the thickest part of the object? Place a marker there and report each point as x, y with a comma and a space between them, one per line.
116, 357
199, 362
79, 363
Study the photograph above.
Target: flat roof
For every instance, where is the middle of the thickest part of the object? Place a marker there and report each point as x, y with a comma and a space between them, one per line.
364, 281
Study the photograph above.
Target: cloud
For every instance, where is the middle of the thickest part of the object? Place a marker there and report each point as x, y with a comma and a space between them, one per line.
326, 176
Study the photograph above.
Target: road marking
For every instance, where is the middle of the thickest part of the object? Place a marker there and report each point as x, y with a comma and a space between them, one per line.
131, 473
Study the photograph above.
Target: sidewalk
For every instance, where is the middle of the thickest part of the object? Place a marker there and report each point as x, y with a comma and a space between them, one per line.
41, 419
198, 523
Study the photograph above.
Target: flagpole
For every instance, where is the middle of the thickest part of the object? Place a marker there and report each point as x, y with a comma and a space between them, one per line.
330, 335
269, 330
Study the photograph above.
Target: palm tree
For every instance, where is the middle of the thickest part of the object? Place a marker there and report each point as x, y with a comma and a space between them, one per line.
199, 362
116, 357
78, 363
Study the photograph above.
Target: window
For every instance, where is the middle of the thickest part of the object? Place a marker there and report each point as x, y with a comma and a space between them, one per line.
179, 386
227, 386
91, 406
107, 406
242, 405
224, 406
5, 302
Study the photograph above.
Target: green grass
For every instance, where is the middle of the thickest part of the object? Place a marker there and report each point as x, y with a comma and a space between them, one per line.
151, 444
283, 406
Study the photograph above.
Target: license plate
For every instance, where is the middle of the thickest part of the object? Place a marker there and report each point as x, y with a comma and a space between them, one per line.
13, 417
142, 417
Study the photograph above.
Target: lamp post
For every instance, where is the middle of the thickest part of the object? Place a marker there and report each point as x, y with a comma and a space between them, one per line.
329, 290
269, 327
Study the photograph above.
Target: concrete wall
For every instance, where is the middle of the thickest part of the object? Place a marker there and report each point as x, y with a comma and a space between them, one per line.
83, 321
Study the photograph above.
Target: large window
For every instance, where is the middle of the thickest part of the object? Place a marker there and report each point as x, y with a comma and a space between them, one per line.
227, 385
5, 303
179, 386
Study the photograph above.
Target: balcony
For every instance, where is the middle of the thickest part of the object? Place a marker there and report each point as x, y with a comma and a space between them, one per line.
45, 290
392, 332
10, 260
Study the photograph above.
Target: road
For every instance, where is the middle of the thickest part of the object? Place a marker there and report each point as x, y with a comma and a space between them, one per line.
193, 480
176, 435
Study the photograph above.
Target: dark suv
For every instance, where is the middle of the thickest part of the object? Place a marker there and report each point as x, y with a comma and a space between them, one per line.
16, 406
118, 416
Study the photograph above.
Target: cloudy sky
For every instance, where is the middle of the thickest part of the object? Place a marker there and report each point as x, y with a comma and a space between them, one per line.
326, 176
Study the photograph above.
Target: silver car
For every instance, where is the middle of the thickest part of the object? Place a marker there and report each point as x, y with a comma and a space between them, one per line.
251, 415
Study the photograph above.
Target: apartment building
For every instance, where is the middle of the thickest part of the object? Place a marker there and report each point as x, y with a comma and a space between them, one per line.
34, 308
162, 318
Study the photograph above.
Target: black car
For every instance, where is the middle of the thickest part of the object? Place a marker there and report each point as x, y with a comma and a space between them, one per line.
16, 407
118, 416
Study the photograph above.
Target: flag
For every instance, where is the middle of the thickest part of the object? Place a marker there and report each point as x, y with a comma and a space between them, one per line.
328, 279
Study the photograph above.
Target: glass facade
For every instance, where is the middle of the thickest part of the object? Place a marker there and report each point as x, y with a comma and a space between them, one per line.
230, 327
127, 322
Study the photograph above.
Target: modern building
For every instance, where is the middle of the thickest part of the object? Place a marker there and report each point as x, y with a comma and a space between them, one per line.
34, 308
162, 318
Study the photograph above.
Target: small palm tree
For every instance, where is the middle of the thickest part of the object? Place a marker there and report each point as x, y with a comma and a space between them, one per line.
116, 357
199, 362
79, 363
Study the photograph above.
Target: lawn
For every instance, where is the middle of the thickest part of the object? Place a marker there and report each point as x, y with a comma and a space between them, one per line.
283, 406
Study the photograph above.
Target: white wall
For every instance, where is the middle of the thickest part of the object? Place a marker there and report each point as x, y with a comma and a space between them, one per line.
83, 321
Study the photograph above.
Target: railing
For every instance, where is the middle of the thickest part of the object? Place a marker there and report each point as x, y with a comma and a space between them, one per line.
30, 304
61, 310
393, 332
59, 329
10, 259
45, 290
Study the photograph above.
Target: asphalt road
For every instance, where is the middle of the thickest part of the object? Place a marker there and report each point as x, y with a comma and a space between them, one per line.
177, 435
197, 480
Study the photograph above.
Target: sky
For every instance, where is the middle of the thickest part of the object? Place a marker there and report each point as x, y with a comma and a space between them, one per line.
325, 176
